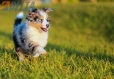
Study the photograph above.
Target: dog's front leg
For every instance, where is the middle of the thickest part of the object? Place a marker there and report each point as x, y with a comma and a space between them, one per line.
35, 49
39, 50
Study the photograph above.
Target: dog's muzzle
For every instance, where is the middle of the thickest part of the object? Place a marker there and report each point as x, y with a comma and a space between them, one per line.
45, 29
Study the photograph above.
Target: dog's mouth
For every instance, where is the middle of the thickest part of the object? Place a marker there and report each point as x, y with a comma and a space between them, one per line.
45, 29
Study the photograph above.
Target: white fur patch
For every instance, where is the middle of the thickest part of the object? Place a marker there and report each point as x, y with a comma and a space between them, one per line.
38, 37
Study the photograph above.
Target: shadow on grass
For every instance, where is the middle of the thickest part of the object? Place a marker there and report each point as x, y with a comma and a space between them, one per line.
70, 51
6, 35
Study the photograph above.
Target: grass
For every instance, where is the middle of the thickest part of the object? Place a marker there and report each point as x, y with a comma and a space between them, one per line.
80, 45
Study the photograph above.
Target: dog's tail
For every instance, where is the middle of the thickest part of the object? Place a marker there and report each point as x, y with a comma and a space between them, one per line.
19, 18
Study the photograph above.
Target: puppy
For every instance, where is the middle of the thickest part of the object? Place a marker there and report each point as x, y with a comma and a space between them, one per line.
30, 37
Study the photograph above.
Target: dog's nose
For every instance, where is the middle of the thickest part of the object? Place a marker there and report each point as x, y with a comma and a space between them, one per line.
47, 25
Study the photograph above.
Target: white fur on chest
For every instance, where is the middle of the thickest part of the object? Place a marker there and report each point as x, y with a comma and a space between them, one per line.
38, 37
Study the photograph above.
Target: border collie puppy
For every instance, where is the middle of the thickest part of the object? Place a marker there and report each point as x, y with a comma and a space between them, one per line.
30, 37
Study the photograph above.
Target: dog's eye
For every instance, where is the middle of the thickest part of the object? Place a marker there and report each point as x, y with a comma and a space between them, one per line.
40, 20
48, 20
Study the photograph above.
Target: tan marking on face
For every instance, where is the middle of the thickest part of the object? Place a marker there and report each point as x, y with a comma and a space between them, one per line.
35, 25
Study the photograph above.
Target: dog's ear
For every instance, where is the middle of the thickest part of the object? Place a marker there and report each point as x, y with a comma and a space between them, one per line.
47, 10
32, 11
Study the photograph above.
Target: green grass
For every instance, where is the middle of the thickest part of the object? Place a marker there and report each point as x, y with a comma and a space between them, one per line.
81, 45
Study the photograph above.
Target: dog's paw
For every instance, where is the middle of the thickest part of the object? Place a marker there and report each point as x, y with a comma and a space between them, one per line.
38, 52
36, 55
43, 52
21, 59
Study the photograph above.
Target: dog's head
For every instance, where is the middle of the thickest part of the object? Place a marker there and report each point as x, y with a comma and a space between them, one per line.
39, 18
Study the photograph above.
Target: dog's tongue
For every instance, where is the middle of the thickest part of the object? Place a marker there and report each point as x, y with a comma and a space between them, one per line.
44, 29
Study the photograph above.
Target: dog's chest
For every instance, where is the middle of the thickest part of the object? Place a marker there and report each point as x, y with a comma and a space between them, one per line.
38, 37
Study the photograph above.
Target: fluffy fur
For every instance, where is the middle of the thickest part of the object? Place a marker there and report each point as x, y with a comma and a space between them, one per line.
31, 36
